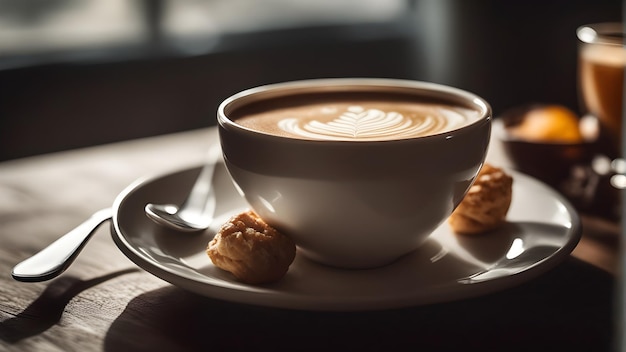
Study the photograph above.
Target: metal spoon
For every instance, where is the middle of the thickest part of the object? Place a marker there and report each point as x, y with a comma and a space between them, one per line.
54, 259
196, 212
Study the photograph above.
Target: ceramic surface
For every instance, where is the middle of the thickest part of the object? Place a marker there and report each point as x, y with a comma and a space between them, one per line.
355, 203
542, 230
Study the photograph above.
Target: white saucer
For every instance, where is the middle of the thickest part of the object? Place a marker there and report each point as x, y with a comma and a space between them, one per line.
542, 229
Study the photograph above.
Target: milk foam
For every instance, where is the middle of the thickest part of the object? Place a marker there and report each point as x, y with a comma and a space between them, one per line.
605, 55
359, 123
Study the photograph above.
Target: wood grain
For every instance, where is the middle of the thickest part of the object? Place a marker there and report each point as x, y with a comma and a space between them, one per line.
105, 303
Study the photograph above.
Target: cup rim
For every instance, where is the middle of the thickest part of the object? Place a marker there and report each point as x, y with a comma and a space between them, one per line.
322, 85
608, 33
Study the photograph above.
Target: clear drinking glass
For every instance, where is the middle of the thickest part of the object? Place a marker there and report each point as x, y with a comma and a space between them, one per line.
601, 62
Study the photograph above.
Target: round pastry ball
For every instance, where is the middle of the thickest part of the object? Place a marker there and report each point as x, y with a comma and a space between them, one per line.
251, 250
486, 204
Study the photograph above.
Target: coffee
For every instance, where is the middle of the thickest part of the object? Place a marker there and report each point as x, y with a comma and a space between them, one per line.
334, 163
354, 117
602, 86
602, 58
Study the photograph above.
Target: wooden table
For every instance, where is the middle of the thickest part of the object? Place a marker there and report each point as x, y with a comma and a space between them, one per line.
104, 302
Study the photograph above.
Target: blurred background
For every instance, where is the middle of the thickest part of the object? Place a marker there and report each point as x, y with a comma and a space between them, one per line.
76, 73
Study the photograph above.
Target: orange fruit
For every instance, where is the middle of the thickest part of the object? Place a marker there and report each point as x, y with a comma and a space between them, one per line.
551, 123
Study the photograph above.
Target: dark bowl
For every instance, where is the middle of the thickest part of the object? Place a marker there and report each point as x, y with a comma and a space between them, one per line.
551, 162
577, 170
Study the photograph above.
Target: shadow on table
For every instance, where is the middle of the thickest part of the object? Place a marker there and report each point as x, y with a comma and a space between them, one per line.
569, 308
47, 309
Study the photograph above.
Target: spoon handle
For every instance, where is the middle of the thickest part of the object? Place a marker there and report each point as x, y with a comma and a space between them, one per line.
54, 259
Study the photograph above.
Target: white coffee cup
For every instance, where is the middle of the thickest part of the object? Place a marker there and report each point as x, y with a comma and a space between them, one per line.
354, 201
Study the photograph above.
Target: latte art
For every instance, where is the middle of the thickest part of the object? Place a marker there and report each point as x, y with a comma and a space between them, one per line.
360, 123
365, 120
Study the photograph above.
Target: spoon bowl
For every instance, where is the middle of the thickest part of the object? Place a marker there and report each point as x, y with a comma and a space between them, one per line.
195, 214
172, 216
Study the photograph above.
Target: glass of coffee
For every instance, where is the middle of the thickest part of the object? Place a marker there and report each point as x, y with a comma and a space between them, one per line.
357, 171
601, 62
